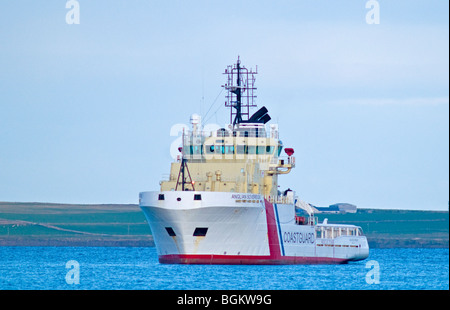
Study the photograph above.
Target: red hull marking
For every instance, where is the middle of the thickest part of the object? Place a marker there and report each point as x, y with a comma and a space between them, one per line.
245, 260
272, 231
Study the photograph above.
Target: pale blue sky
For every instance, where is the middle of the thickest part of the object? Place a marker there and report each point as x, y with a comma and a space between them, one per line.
86, 110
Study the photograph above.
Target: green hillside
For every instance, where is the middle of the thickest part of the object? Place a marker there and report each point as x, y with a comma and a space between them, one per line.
68, 224
398, 228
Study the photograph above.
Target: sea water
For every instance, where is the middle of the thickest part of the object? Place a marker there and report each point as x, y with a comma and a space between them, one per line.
111, 268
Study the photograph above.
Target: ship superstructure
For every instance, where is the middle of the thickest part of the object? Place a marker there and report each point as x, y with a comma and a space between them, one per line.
221, 203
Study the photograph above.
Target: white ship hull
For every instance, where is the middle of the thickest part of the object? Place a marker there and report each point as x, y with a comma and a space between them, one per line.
238, 228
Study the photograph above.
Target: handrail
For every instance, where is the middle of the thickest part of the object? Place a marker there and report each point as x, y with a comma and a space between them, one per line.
281, 199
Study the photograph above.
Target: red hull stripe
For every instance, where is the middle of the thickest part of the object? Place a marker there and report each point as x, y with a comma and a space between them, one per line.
272, 231
245, 260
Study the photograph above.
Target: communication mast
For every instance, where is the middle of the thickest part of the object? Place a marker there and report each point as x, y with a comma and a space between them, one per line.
240, 97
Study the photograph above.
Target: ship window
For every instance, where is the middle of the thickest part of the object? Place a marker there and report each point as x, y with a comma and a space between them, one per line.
229, 149
269, 149
251, 149
170, 231
200, 231
197, 197
161, 197
195, 149
241, 149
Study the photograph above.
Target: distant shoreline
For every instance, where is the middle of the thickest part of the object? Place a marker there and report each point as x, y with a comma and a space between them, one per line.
382, 243
124, 225
29, 242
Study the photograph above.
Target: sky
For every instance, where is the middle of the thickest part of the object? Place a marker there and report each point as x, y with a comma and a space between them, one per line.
86, 110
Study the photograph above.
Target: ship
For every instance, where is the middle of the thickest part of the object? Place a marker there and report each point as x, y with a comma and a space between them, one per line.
221, 203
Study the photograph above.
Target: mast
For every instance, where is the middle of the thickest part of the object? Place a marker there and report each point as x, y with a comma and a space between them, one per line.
237, 91
184, 168
181, 173
240, 97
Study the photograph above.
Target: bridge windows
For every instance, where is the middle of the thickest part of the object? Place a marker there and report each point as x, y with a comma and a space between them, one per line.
219, 149
195, 149
242, 147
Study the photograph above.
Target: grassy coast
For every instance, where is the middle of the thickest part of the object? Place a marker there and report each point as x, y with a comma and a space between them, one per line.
398, 228
51, 224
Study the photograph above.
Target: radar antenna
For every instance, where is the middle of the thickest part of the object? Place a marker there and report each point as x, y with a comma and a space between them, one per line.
240, 97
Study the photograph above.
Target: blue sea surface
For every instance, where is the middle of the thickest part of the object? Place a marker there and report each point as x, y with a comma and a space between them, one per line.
112, 268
